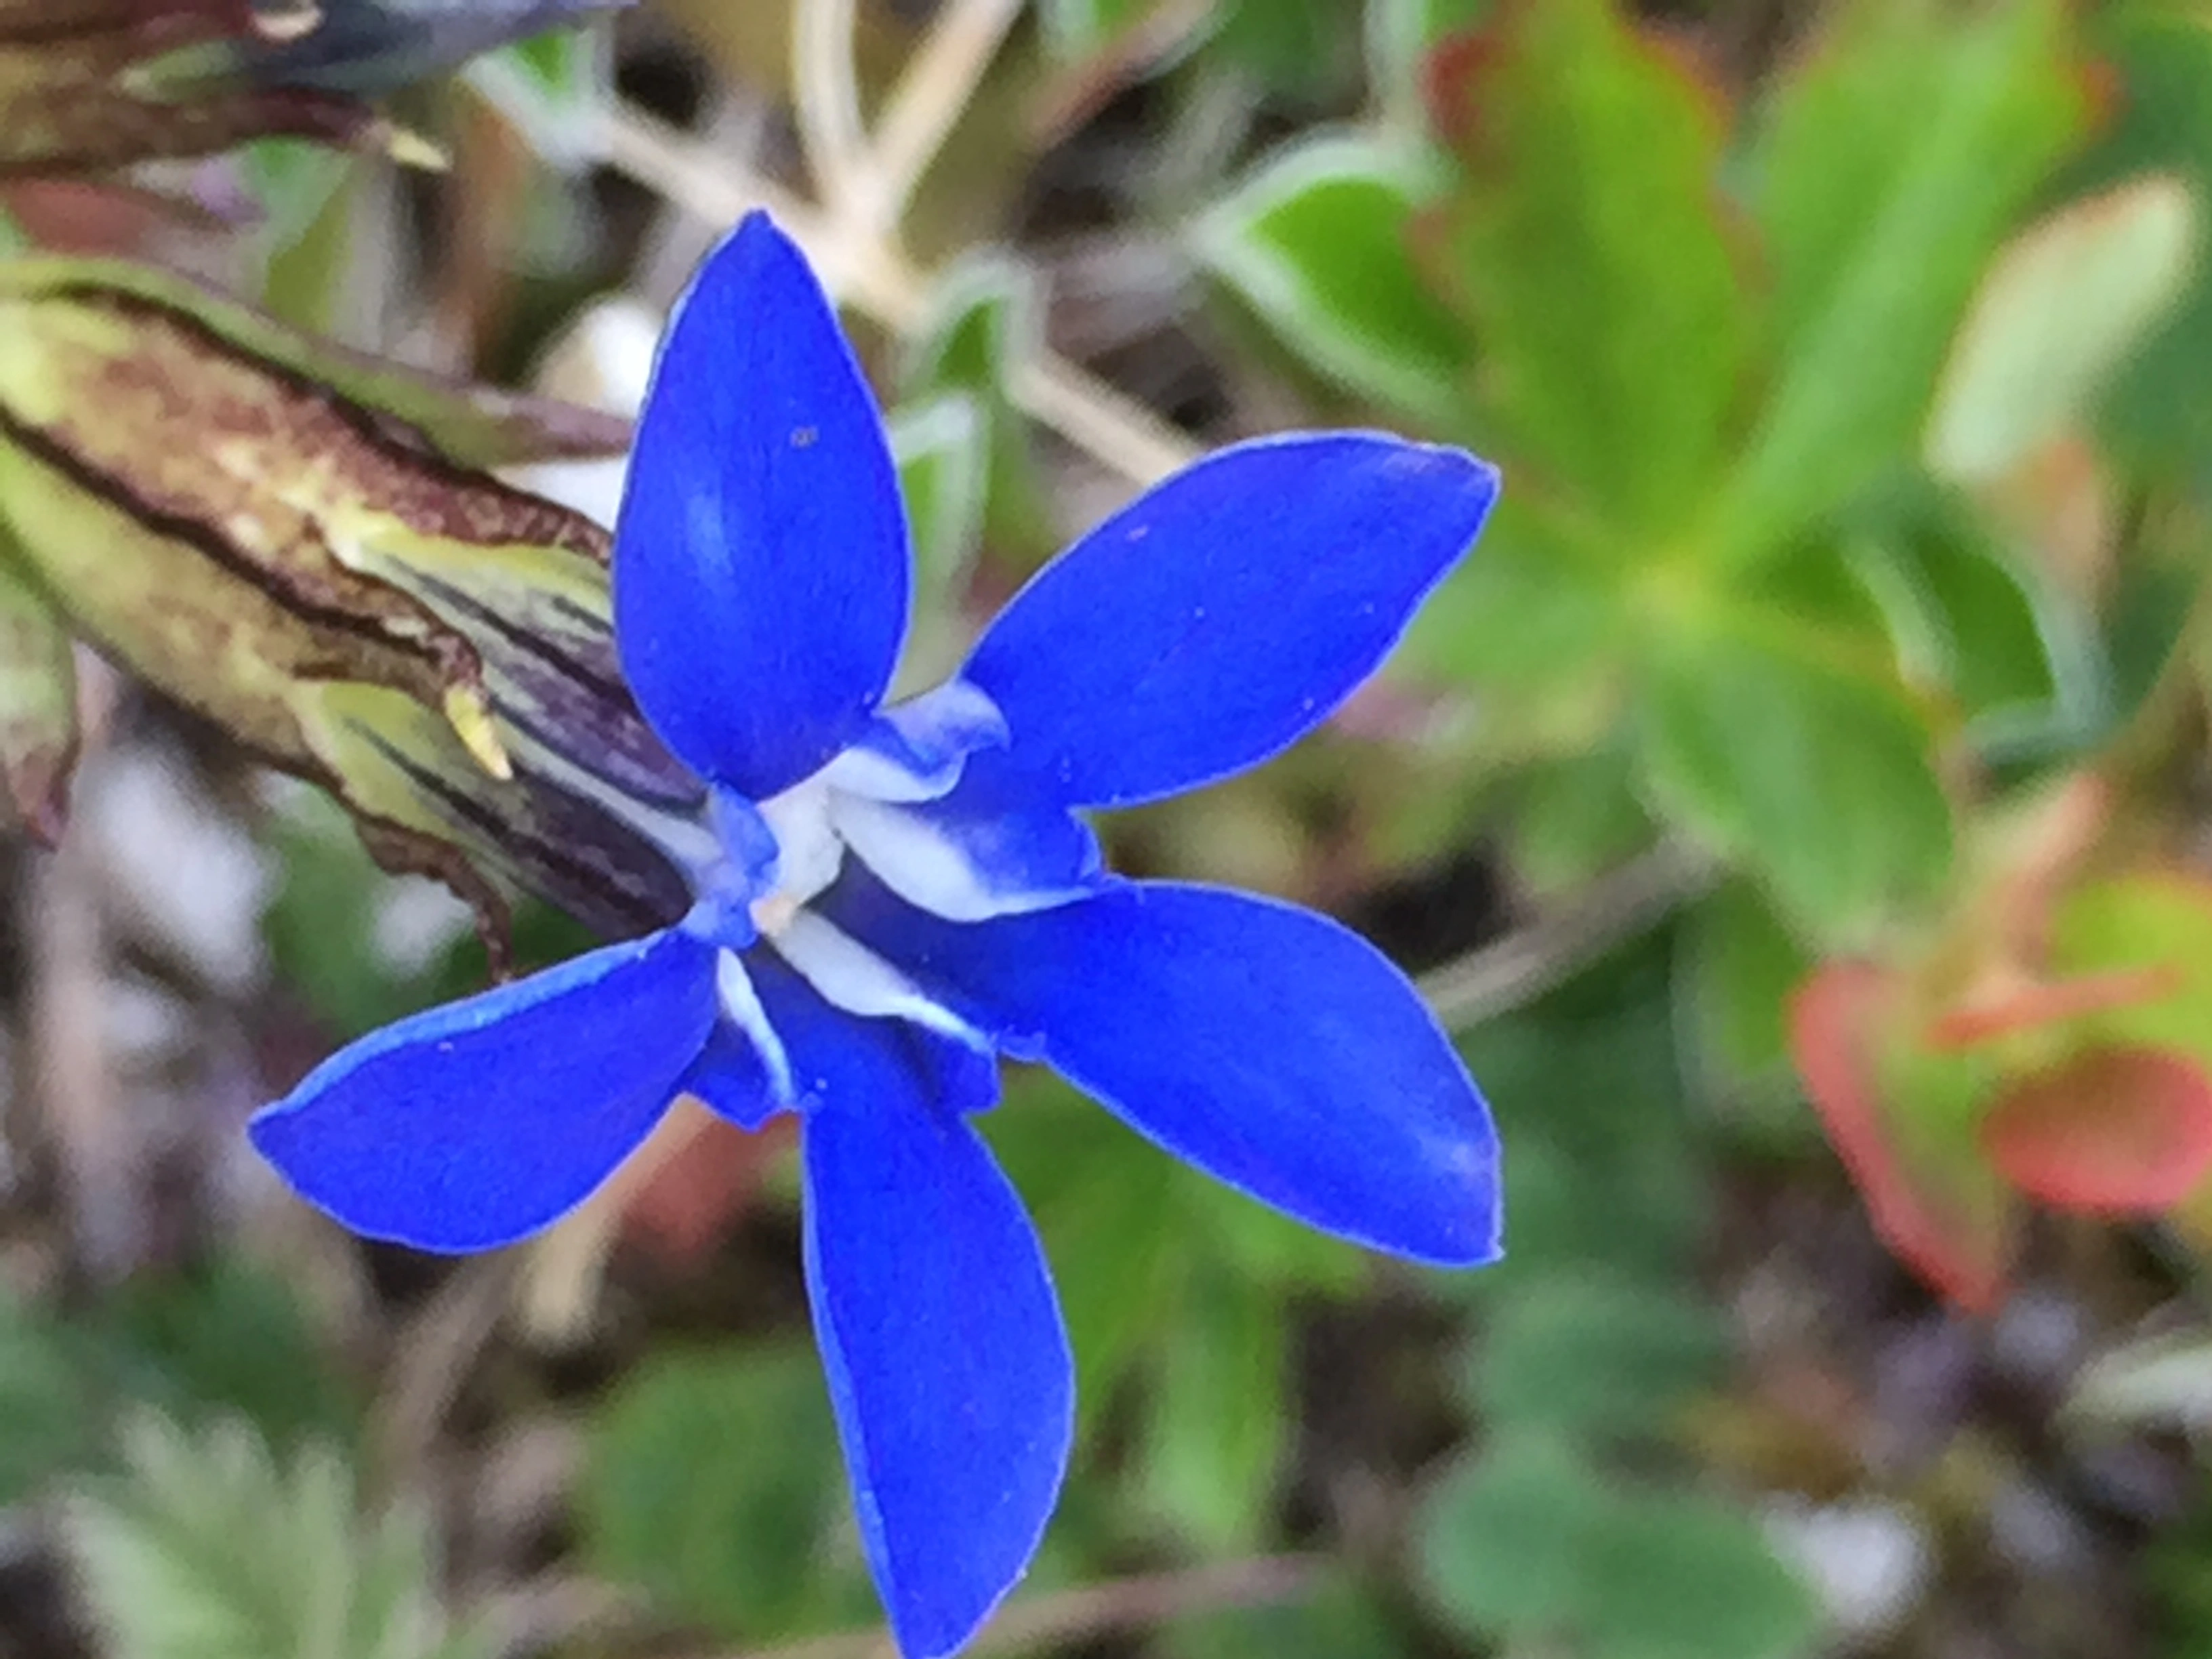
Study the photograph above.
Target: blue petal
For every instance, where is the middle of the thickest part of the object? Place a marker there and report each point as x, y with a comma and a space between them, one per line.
970, 855
1265, 1044
1218, 619
760, 566
819, 1039
478, 1123
732, 1079
915, 750
948, 1365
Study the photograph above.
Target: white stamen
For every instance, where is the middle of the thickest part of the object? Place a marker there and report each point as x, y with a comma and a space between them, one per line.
851, 976
948, 722
927, 867
741, 1007
808, 852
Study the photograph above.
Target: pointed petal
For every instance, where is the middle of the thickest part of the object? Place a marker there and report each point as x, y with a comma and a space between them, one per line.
1221, 617
760, 566
947, 1362
478, 1123
1266, 1045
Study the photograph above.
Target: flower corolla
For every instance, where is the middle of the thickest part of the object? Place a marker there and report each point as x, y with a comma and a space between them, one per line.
889, 895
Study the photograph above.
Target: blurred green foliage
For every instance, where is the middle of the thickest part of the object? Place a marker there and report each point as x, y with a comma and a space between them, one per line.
206, 1546
228, 1341
713, 1487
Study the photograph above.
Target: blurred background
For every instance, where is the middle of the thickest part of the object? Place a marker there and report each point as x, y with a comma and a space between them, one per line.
1796, 810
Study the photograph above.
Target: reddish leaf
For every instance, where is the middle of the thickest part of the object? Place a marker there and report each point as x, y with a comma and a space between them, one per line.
2028, 1007
2118, 1132
1942, 1224
692, 1199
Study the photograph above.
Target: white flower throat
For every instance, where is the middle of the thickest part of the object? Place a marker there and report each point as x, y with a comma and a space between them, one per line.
809, 853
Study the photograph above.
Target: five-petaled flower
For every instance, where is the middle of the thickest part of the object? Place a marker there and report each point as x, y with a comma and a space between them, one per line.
890, 896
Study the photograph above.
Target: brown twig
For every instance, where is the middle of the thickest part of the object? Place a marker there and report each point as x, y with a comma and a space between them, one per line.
1114, 430
1531, 960
1058, 1617
70, 1079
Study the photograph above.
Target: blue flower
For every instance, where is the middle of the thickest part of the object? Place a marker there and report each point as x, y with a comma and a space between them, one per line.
890, 896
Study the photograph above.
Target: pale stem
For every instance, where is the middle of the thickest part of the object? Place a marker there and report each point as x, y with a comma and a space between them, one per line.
830, 130
1114, 430
938, 83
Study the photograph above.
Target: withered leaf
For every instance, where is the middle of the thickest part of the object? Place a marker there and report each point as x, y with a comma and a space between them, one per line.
38, 704
288, 542
373, 46
88, 86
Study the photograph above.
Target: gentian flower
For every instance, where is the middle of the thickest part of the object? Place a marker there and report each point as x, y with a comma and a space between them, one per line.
887, 896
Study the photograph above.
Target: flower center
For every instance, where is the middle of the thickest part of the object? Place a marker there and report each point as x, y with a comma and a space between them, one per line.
809, 853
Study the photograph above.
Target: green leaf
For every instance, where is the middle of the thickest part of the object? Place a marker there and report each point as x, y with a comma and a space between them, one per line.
1681, 1575
1534, 613
2146, 624
1259, 1245
231, 1339
206, 1549
2063, 308
1292, 48
1973, 626
1576, 815
554, 88
942, 448
1588, 1090
320, 925
1101, 1200
1585, 1354
50, 1420
939, 446
295, 184
1588, 251
2158, 921
2160, 59
1131, 1233
1080, 28
1217, 1427
1528, 1544
1738, 963
1894, 164
1812, 769
713, 1486
1317, 241
985, 317
1501, 1537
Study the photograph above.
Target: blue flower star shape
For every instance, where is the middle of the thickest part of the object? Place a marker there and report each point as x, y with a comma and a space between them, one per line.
890, 896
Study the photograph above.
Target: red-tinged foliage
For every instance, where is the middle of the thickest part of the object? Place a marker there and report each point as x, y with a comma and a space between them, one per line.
1838, 1021
2029, 1006
698, 1193
2115, 1132
1448, 78
1453, 74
